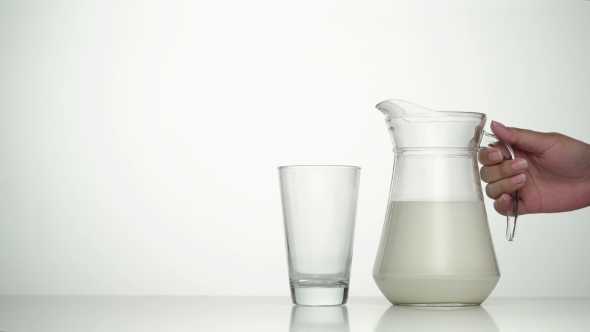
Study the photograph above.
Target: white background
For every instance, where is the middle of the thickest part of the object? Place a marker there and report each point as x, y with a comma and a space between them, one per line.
139, 140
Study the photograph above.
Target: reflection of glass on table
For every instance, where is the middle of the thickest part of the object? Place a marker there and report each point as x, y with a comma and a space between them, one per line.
320, 319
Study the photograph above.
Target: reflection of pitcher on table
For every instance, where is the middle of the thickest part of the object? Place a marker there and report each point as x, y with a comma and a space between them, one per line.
436, 247
455, 319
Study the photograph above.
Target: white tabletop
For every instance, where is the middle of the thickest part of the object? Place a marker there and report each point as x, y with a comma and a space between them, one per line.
201, 313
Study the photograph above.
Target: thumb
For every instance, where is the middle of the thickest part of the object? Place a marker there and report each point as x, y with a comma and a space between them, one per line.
523, 139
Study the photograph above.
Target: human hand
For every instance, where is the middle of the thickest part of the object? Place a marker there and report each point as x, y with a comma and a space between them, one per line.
551, 170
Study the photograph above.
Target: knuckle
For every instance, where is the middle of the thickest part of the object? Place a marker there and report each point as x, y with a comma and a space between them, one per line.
484, 156
484, 174
491, 173
505, 186
499, 210
506, 170
490, 191
480, 154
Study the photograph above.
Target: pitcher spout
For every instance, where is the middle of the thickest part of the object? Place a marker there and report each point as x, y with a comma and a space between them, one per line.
416, 127
394, 108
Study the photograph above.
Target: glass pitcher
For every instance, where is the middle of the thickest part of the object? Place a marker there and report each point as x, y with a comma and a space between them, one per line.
436, 247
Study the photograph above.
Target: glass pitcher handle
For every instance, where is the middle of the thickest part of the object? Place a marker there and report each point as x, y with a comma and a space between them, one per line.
490, 141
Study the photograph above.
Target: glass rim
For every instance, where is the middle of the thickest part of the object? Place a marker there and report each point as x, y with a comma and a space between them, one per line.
444, 114
319, 166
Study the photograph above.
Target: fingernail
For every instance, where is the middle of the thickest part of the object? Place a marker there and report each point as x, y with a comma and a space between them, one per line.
496, 156
502, 199
499, 124
520, 164
520, 178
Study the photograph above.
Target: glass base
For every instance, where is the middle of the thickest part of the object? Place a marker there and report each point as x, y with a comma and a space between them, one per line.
319, 296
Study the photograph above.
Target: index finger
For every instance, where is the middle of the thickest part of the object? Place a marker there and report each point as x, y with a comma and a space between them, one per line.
490, 156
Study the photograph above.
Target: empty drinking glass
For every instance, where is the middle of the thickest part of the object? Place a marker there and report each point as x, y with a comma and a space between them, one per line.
319, 209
